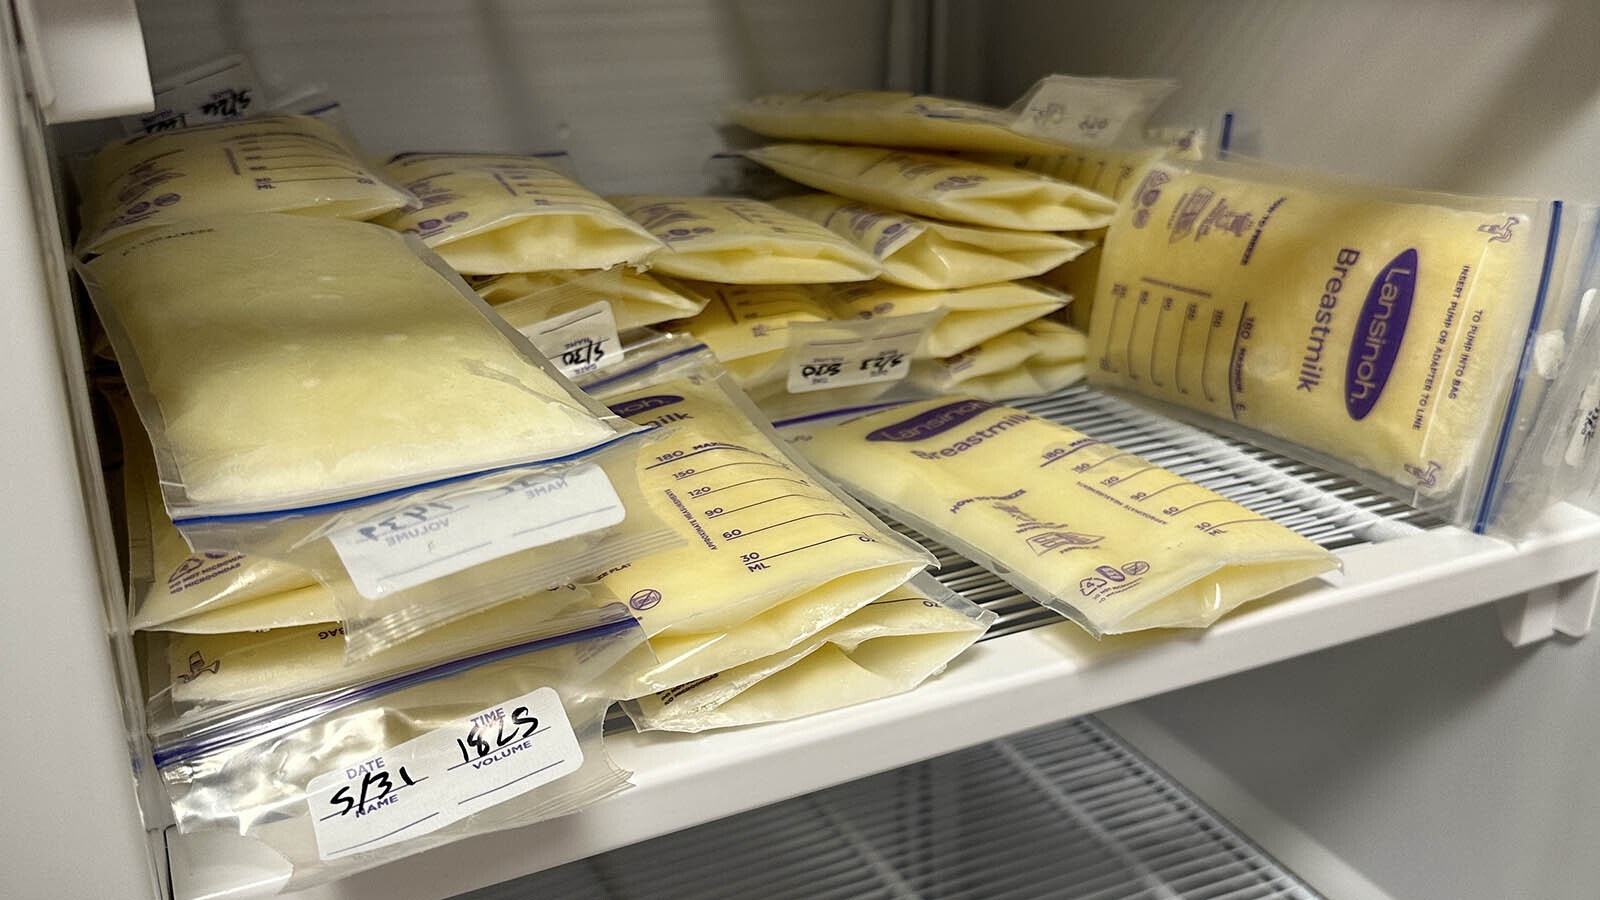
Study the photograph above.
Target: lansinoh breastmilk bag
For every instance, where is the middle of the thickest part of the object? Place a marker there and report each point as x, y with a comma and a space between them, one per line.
289, 164
344, 778
1097, 534
318, 392
932, 255
772, 553
943, 187
487, 214
1379, 330
1036, 359
736, 240
887, 647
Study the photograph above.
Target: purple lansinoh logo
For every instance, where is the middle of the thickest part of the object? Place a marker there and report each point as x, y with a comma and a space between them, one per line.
935, 421
644, 404
1379, 330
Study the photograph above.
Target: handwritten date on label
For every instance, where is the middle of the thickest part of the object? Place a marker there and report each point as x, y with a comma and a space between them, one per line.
581, 341
491, 757
844, 361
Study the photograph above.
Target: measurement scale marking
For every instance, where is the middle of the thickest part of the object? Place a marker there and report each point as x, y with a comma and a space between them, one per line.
1089, 443
1182, 289
668, 462
745, 534
1133, 329
840, 537
749, 462
1238, 332
1155, 339
799, 481
729, 512
1109, 459
1204, 503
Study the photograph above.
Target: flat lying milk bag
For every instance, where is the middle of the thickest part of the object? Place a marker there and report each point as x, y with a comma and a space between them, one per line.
172, 587
1377, 329
1099, 535
967, 316
887, 119
747, 326
735, 240
887, 647
636, 298
340, 780
943, 187
487, 214
203, 675
932, 255
1034, 360
286, 360
773, 553
290, 164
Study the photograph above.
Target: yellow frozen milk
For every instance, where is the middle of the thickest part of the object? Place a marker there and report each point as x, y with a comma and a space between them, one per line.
760, 530
1039, 358
933, 255
302, 358
887, 647
887, 119
1377, 330
292, 164
747, 327
967, 316
637, 299
487, 214
735, 240
943, 187
1100, 535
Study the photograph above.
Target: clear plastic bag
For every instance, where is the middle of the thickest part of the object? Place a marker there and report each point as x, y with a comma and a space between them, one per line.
317, 393
488, 214
931, 255
280, 163
772, 552
1378, 332
887, 647
344, 778
1099, 535
636, 299
943, 187
736, 240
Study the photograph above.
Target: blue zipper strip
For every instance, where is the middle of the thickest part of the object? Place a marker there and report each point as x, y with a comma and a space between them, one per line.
645, 367
833, 414
1492, 489
293, 714
338, 505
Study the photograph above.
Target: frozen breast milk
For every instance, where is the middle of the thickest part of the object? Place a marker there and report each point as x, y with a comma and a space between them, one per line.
747, 327
486, 214
293, 164
1379, 332
734, 240
887, 647
932, 255
967, 316
761, 530
1039, 358
943, 187
636, 298
1103, 537
887, 119
293, 357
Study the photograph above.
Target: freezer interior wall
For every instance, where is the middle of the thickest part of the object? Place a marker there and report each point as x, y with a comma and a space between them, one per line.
1436, 760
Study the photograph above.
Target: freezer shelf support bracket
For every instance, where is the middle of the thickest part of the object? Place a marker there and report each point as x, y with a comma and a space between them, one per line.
1566, 607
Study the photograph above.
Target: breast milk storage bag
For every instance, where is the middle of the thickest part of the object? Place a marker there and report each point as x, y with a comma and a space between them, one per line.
317, 391
1097, 534
772, 553
1381, 331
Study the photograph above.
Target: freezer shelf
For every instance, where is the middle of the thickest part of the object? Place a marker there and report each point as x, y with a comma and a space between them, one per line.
1067, 812
1037, 669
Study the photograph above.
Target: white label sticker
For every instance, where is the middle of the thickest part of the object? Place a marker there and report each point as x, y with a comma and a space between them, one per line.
1090, 111
412, 543
831, 362
581, 341
200, 97
444, 776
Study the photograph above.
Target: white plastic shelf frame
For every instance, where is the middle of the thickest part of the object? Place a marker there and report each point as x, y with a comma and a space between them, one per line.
1398, 570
